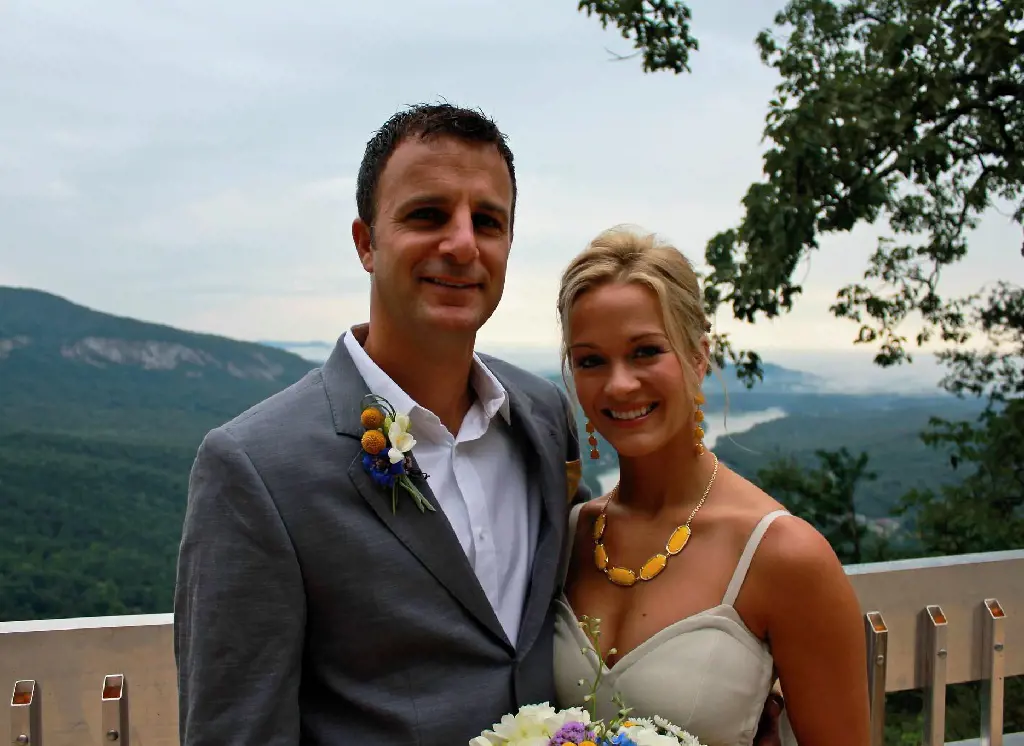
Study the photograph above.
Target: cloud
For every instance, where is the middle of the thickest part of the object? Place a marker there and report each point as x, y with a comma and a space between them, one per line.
194, 164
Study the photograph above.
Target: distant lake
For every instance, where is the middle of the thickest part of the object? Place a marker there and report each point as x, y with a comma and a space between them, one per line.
718, 426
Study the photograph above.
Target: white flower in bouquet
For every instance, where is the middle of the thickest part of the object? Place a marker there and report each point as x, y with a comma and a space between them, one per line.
647, 735
532, 725
684, 738
656, 732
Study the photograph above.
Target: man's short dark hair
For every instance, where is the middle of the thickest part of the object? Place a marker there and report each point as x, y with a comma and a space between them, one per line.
424, 121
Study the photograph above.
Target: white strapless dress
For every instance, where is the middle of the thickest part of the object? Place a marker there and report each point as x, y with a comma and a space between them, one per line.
707, 673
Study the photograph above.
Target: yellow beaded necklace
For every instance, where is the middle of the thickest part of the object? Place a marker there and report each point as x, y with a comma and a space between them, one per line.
651, 568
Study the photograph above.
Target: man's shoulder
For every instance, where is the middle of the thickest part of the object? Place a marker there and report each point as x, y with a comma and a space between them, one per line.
534, 385
543, 391
293, 406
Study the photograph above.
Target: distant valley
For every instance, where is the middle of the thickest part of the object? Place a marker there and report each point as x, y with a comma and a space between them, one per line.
100, 418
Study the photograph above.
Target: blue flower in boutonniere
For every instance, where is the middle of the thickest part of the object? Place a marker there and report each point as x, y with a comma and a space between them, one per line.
387, 451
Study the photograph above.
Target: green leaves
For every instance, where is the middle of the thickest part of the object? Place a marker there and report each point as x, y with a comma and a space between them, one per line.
660, 30
995, 369
905, 114
985, 511
908, 112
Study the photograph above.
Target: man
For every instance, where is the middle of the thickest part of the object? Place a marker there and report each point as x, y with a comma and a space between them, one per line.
311, 608
310, 611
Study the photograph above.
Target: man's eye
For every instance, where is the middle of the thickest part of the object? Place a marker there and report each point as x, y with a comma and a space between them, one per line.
487, 221
431, 214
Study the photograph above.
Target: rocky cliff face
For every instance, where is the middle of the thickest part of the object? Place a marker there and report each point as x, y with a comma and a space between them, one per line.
12, 343
157, 355
45, 336
105, 352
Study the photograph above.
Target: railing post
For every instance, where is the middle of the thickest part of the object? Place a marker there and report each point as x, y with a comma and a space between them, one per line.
26, 714
992, 673
934, 657
114, 706
877, 644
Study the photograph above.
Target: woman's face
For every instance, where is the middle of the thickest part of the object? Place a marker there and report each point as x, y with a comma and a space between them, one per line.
628, 380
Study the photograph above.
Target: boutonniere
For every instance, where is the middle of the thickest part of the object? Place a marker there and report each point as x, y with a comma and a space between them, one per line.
387, 445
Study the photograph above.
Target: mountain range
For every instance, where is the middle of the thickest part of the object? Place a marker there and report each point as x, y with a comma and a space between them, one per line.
64, 367
101, 416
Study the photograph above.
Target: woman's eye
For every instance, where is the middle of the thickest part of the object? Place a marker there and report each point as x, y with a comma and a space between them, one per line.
589, 361
649, 351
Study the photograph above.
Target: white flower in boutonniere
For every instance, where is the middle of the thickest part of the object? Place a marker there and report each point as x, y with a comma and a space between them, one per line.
400, 437
388, 458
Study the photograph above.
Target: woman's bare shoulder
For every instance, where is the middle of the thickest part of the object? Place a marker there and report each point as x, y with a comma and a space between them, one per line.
799, 598
791, 547
745, 503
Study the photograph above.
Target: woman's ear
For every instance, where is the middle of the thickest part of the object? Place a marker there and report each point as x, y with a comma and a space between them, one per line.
703, 362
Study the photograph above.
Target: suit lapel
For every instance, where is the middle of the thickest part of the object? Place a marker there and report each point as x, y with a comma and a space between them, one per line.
544, 468
428, 536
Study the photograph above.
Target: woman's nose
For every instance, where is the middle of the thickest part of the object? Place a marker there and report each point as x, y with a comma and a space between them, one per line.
621, 381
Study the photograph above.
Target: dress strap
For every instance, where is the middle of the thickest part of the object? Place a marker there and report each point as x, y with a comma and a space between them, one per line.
570, 540
740, 574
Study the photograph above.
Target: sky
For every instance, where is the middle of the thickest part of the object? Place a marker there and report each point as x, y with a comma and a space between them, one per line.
193, 163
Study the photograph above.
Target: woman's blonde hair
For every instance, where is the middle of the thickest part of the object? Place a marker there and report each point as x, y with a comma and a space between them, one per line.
625, 254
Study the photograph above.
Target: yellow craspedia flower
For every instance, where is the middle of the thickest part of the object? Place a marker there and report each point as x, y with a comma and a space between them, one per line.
371, 418
373, 441
588, 743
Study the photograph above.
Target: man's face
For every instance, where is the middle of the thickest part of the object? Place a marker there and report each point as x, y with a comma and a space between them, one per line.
441, 236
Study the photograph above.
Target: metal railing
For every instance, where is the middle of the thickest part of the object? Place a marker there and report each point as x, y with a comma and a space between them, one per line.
939, 621
929, 623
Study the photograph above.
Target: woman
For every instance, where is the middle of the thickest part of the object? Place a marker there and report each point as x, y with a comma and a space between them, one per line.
705, 588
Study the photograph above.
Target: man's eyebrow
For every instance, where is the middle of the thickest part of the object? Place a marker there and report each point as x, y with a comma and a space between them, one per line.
495, 208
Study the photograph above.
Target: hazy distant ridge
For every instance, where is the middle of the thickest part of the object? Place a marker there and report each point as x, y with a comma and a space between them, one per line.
777, 379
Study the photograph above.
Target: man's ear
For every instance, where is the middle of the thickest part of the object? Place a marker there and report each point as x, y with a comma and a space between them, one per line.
362, 237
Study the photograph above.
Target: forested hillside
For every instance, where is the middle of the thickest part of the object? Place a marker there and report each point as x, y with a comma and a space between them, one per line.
100, 418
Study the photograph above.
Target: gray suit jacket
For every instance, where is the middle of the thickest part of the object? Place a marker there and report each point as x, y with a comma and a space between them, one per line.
306, 612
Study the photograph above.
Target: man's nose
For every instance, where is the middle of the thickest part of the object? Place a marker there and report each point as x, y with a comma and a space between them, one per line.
459, 242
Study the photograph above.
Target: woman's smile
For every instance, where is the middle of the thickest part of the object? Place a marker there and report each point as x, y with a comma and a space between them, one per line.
631, 416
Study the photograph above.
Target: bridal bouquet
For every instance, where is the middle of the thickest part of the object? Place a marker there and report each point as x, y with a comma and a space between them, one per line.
543, 725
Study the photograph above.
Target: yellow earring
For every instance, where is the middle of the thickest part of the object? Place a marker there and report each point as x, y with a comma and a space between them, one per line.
698, 431
592, 440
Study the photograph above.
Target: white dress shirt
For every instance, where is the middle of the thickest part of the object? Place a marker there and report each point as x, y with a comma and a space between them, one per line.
479, 479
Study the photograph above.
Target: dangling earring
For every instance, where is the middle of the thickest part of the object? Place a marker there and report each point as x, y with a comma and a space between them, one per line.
698, 431
592, 440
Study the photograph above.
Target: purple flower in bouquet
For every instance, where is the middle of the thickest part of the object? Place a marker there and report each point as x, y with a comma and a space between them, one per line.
575, 733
